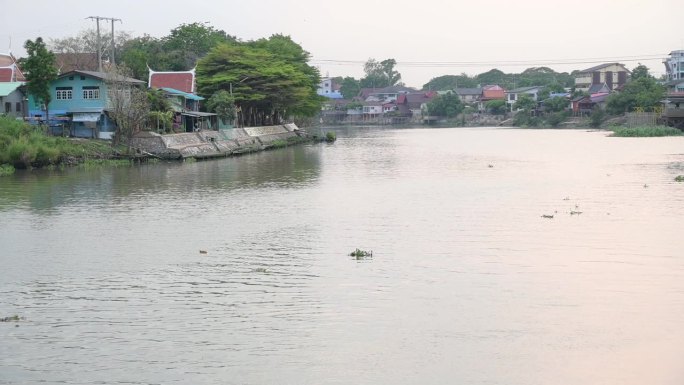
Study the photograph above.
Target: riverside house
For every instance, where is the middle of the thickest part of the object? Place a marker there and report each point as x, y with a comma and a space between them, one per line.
79, 104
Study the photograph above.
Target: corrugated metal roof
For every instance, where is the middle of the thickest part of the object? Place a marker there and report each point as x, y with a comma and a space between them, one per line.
181, 93
9, 87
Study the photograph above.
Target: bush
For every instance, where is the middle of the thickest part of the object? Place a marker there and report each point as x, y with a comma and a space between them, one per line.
556, 118
597, 117
646, 131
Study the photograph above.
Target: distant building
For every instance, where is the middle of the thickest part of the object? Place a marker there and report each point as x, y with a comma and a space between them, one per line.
9, 69
178, 80
328, 88
674, 65
513, 95
12, 99
469, 95
614, 75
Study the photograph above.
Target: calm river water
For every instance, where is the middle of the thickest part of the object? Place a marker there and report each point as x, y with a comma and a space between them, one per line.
468, 283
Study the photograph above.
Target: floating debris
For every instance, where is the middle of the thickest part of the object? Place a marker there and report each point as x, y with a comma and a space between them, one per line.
547, 216
203, 251
361, 254
566, 198
490, 165
260, 270
575, 212
14, 318
645, 185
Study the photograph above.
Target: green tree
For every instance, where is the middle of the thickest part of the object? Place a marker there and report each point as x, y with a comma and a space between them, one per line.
269, 80
187, 43
644, 92
380, 74
556, 104
494, 76
496, 107
39, 68
223, 104
640, 71
450, 82
448, 105
350, 87
524, 102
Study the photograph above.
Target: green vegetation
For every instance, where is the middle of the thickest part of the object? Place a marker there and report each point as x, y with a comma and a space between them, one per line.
380, 74
349, 87
24, 146
361, 254
496, 107
679, 178
6, 169
269, 79
448, 105
40, 70
223, 104
597, 117
643, 92
534, 76
646, 131
330, 136
554, 119
14, 318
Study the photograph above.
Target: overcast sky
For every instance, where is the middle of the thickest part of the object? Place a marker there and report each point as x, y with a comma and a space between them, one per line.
428, 38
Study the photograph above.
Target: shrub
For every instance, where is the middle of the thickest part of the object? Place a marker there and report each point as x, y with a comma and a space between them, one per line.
330, 136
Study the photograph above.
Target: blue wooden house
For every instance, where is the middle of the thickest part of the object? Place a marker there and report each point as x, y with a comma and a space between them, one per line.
79, 105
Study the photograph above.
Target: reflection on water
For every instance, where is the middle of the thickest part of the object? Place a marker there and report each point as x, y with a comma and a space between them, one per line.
468, 283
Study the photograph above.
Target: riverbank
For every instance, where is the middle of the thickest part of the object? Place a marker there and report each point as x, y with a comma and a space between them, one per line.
221, 143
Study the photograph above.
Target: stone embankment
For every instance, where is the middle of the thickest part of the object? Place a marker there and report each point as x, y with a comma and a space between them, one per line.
209, 144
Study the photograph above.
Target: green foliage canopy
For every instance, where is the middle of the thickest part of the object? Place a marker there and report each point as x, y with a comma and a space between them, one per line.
350, 87
269, 79
448, 105
40, 70
644, 92
380, 74
450, 82
223, 104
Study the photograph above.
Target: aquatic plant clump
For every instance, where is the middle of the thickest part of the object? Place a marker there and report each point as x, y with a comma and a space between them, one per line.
358, 253
645, 131
679, 178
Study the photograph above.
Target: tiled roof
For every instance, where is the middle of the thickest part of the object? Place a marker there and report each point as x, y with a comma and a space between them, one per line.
523, 89
67, 62
101, 75
182, 81
468, 91
6, 74
598, 67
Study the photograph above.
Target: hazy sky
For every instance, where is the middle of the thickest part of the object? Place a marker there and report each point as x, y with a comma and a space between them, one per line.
428, 38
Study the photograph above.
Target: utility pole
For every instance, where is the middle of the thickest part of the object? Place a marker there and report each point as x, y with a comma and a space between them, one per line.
99, 45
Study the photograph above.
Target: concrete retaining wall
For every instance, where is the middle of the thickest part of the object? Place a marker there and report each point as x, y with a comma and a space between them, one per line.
205, 144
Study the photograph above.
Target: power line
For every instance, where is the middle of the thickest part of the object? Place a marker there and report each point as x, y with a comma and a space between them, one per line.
99, 46
596, 60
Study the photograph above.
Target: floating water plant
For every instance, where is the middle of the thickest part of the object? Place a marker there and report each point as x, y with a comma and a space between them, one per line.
679, 178
547, 216
14, 318
360, 254
575, 212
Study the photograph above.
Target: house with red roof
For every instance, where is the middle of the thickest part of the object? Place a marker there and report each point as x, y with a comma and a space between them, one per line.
178, 80
9, 69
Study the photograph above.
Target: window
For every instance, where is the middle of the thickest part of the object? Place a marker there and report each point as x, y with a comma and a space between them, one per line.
64, 93
18, 107
8, 107
91, 92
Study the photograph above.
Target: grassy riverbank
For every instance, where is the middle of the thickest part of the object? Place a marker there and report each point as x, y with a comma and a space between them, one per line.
24, 146
645, 131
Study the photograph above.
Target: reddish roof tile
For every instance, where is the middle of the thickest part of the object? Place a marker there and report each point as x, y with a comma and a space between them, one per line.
6, 75
182, 81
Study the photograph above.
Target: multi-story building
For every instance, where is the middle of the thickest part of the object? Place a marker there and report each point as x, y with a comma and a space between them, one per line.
674, 65
613, 75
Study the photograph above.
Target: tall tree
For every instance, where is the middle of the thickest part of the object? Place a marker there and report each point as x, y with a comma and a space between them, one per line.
187, 43
644, 92
640, 71
269, 79
39, 68
450, 82
86, 42
223, 104
448, 105
380, 74
349, 87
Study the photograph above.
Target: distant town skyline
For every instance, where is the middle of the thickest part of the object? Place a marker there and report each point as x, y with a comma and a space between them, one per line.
429, 38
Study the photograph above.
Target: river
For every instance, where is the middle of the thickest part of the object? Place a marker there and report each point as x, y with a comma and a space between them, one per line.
471, 280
